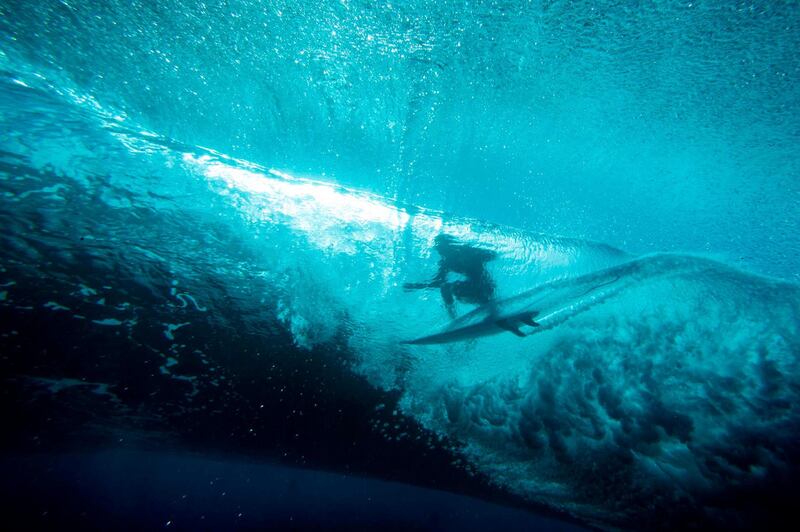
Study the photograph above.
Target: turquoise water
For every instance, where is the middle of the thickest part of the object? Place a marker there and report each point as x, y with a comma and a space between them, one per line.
280, 170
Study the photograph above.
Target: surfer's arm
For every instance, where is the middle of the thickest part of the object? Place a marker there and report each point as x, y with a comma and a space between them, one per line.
419, 286
441, 275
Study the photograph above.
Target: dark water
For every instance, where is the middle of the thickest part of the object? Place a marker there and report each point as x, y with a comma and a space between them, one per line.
209, 213
184, 491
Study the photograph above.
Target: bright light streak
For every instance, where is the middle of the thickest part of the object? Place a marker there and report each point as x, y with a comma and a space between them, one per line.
330, 215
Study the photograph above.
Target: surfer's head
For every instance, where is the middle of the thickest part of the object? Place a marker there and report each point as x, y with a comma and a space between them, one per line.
443, 240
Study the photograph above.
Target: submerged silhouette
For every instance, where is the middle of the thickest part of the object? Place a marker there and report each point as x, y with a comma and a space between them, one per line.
551, 304
473, 285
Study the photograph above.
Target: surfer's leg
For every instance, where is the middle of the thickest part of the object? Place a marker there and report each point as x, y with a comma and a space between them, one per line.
466, 292
449, 300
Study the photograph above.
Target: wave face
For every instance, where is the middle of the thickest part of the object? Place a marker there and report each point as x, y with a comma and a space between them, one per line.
158, 291
659, 128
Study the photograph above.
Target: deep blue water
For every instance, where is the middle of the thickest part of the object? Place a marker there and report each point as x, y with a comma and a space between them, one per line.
209, 215
130, 490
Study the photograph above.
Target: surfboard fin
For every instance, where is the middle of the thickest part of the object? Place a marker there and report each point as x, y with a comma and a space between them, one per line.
527, 319
510, 327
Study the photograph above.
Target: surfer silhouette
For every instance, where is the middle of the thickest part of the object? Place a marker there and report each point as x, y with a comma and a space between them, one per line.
462, 274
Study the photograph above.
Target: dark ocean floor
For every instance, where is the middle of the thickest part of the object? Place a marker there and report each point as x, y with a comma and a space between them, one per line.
133, 489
